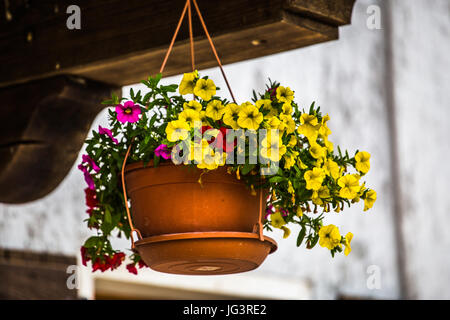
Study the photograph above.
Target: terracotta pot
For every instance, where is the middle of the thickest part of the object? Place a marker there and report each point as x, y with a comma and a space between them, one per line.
169, 199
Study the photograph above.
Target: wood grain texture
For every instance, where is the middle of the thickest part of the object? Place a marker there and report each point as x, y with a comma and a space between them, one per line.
124, 42
27, 275
39, 144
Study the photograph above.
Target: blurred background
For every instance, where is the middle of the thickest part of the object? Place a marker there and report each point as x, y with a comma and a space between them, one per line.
386, 88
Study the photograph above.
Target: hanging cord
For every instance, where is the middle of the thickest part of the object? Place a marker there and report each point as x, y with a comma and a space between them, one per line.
125, 197
213, 48
260, 226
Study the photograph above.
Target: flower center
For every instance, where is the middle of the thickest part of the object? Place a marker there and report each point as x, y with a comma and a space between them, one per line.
128, 110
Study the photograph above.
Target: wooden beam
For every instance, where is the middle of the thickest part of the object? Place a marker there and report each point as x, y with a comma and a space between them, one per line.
122, 42
43, 129
28, 275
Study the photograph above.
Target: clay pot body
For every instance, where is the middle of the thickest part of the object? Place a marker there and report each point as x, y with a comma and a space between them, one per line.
169, 199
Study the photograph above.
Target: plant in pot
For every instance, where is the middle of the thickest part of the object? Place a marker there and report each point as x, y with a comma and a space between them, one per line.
205, 176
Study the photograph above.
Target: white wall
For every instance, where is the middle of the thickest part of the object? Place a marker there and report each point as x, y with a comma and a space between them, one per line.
347, 78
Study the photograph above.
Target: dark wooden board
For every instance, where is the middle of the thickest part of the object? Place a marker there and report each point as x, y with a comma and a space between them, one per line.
122, 42
45, 125
28, 275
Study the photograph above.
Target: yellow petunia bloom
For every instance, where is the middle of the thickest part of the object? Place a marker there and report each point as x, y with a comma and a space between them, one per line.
369, 200
286, 109
272, 148
301, 164
286, 231
193, 105
285, 94
329, 236
266, 105
319, 195
187, 83
290, 188
203, 118
328, 145
317, 151
314, 178
249, 117
349, 186
292, 141
289, 123
309, 127
348, 239
289, 160
205, 89
274, 122
276, 220
177, 130
324, 131
299, 211
231, 114
362, 161
189, 116
332, 168
215, 110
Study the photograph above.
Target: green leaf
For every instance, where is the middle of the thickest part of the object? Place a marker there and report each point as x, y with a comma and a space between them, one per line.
247, 168
276, 179
92, 242
301, 236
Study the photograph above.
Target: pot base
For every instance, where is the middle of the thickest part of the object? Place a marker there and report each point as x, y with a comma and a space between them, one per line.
205, 253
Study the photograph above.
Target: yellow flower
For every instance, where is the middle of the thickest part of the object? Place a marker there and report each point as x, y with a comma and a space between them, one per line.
290, 159
348, 239
266, 105
215, 109
322, 193
177, 130
290, 188
332, 168
286, 109
293, 141
289, 122
369, 200
231, 114
301, 164
203, 118
285, 94
274, 122
286, 233
329, 236
362, 161
187, 83
193, 105
249, 117
317, 151
205, 89
309, 126
299, 211
270, 145
349, 186
276, 220
314, 178
324, 131
328, 145
189, 116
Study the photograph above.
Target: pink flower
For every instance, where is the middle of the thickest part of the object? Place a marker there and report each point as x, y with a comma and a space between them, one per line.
128, 112
87, 177
108, 132
163, 151
142, 264
88, 160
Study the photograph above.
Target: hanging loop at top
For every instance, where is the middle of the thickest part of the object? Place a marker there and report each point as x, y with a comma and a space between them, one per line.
187, 7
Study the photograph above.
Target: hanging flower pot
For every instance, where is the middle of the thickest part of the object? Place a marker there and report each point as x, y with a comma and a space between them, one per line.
198, 178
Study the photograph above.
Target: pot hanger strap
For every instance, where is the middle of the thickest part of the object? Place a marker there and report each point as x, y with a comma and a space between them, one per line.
187, 7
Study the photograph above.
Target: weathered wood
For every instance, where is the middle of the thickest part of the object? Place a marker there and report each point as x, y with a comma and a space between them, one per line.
123, 42
44, 124
27, 275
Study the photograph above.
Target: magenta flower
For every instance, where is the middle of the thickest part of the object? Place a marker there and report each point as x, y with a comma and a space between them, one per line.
108, 132
87, 176
163, 151
128, 112
88, 160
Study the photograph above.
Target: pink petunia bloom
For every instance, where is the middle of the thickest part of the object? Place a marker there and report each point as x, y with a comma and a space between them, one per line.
128, 112
108, 132
87, 177
163, 151
90, 162
132, 268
